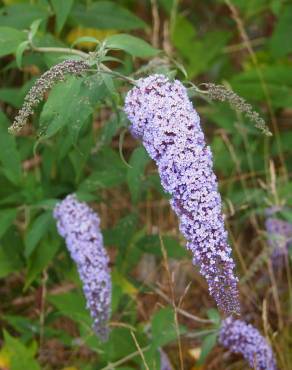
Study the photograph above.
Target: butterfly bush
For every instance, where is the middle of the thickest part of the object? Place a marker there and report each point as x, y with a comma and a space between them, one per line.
242, 338
42, 85
162, 116
80, 227
279, 234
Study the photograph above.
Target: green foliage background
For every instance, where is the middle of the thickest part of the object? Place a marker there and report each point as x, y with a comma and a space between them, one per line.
77, 142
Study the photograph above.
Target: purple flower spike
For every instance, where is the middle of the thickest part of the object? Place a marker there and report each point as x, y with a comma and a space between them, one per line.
79, 225
243, 338
279, 238
162, 116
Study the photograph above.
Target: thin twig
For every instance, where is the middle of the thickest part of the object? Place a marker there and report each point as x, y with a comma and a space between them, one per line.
241, 46
139, 350
125, 359
156, 23
180, 310
170, 279
275, 294
42, 306
55, 291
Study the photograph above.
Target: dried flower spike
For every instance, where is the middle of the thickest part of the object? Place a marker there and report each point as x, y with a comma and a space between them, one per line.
163, 117
243, 338
79, 225
221, 93
42, 85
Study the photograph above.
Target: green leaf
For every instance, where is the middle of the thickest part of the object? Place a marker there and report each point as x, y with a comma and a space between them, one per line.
14, 96
108, 131
7, 216
209, 47
72, 305
21, 16
131, 44
85, 39
11, 259
70, 104
62, 9
40, 259
135, 172
163, 327
9, 155
34, 28
152, 244
278, 81
8, 264
19, 52
10, 38
102, 179
109, 84
119, 345
121, 234
108, 171
208, 344
167, 5
106, 15
184, 35
21, 357
281, 42
214, 315
38, 229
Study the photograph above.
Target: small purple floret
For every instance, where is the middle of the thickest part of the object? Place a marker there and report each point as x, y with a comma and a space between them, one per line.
80, 227
243, 338
164, 361
162, 116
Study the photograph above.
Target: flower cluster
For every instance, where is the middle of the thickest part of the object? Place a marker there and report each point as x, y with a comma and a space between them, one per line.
243, 338
42, 85
80, 227
279, 233
162, 116
279, 236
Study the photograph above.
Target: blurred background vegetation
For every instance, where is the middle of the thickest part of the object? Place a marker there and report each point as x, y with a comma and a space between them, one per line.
76, 142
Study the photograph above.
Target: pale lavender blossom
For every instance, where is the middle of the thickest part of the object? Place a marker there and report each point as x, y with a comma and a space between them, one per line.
80, 227
279, 235
242, 338
162, 116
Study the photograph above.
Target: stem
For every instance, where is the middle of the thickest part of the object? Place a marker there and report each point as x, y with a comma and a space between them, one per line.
180, 310
199, 334
60, 50
83, 55
175, 308
105, 69
125, 359
140, 351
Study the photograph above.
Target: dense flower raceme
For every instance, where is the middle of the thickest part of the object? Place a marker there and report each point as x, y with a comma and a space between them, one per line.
42, 85
80, 227
162, 116
279, 233
243, 338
